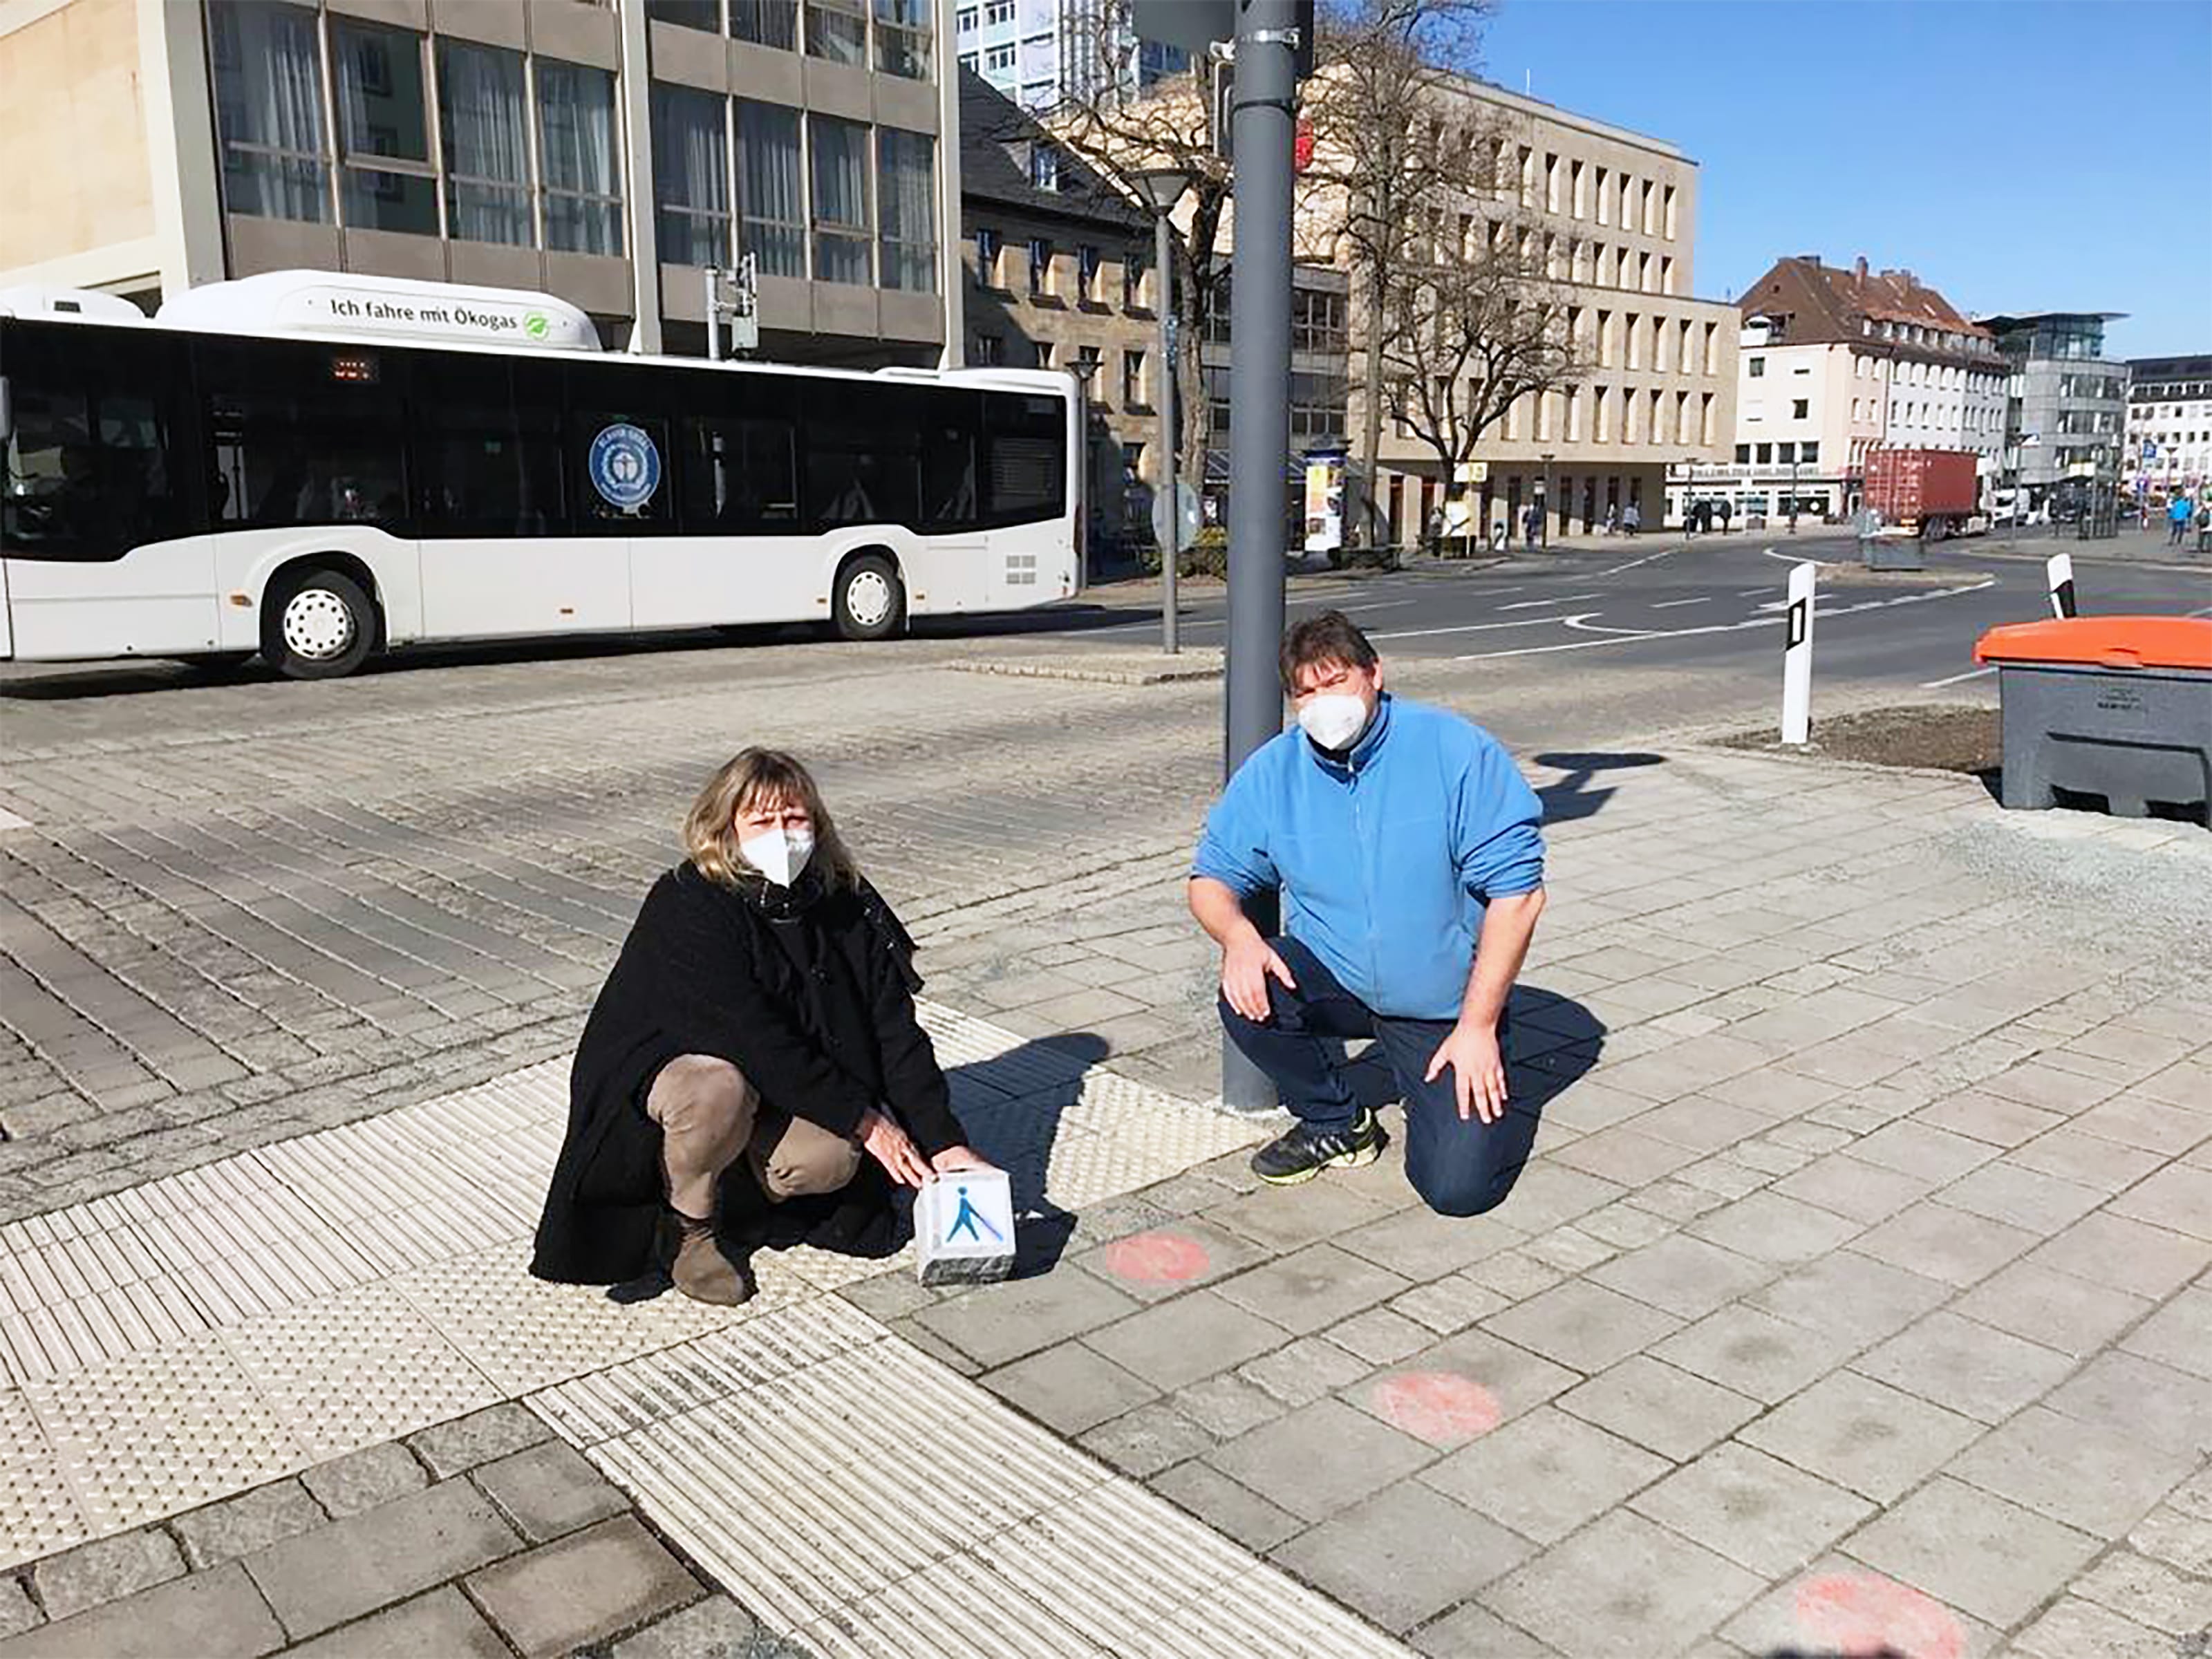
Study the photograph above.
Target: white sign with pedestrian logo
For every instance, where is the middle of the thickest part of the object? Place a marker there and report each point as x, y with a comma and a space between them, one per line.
964, 1227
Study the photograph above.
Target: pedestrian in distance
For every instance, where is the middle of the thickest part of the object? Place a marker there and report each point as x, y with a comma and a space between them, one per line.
1723, 508
1631, 518
753, 1074
1611, 518
1409, 854
2178, 517
1532, 524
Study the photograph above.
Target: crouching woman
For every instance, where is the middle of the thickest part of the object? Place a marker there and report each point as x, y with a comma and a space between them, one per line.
752, 1074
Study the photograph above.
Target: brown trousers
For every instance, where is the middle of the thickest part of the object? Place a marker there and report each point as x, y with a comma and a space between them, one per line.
709, 1114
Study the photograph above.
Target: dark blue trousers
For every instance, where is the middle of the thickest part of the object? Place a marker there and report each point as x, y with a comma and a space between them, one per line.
1458, 1166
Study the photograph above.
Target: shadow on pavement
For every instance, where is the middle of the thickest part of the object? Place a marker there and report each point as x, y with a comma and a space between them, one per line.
1571, 797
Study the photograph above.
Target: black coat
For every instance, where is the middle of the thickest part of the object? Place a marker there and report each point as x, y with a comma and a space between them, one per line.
810, 995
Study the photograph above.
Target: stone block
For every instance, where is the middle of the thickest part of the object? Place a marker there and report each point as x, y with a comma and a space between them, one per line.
1862, 1434
549, 1490
1003, 1323
362, 1480
1403, 1556
2091, 1476
380, 1556
450, 1448
1175, 1343
1965, 1366
1544, 1474
1069, 1388
716, 1628
1622, 1585
1660, 1406
586, 1586
1311, 1289
1755, 1509
1142, 1443
18, 1612
1973, 1551
104, 1569
216, 1612
1582, 1325
1683, 1276
1235, 1511
439, 1626
240, 1525
1752, 1351
1324, 1458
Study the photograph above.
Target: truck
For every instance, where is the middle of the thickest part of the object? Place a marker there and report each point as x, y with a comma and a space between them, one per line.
1929, 493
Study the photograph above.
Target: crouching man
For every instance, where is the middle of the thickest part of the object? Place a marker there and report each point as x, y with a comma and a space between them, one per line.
753, 1072
1407, 850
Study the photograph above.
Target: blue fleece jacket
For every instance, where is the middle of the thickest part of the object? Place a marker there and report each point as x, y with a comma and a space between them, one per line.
1385, 859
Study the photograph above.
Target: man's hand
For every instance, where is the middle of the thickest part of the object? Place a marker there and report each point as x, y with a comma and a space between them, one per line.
1478, 1069
1246, 963
888, 1146
958, 1158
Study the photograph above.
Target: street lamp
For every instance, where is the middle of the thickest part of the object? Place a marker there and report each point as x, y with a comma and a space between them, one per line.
1544, 510
1160, 189
1086, 369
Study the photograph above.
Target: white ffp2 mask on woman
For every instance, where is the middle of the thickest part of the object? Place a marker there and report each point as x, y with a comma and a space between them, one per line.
1334, 721
778, 854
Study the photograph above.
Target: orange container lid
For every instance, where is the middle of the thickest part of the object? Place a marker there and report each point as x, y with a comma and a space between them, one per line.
2103, 642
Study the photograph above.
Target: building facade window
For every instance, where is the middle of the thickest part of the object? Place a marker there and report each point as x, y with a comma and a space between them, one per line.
987, 248
1133, 380
839, 150
766, 22
1132, 279
1087, 266
484, 120
385, 180
577, 152
1040, 267
1800, 408
691, 176
988, 350
268, 111
691, 13
902, 42
837, 31
770, 189
906, 184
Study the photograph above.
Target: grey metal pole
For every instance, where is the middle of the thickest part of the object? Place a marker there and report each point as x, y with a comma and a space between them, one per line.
1163, 262
1259, 438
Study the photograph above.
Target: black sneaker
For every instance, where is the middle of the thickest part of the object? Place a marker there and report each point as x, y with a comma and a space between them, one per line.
1301, 1155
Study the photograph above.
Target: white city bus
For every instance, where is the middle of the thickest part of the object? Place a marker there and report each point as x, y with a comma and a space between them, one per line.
320, 467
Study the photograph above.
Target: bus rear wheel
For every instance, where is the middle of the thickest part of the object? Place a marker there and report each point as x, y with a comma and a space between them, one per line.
316, 625
870, 602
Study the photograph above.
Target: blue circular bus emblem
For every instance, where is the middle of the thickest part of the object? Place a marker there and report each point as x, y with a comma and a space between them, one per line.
624, 465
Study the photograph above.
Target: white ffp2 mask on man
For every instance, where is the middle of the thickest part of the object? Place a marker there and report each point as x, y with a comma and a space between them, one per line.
1334, 720
778, 854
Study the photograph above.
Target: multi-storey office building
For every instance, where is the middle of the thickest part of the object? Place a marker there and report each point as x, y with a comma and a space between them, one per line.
2066, 406
1042, 53
1611, 215
604, 150
2169, 429
1837, 361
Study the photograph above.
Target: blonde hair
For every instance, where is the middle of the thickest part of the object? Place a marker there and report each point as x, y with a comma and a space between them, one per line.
751, 777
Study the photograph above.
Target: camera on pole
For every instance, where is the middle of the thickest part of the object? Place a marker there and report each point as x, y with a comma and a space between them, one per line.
733, 301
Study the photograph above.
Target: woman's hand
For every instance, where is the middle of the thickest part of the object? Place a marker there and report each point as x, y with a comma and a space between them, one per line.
890, 1146
958, 1158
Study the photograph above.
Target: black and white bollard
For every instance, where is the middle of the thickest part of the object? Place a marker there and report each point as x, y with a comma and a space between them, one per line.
2058, 572
1797, 656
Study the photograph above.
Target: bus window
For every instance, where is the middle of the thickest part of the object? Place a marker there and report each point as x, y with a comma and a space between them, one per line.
89, 469
1025, 472
740, 477
304, 435
487, 449
948, 461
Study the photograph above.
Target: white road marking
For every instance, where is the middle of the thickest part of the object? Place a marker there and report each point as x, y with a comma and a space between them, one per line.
1971, 674
1531, 604
1663, 553
1626, 637
1669, 605
1471, 628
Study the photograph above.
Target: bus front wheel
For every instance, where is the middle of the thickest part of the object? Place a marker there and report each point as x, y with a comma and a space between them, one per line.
870, 602
316, 625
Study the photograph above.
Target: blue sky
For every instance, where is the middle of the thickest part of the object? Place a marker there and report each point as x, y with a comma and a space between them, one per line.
2018, 155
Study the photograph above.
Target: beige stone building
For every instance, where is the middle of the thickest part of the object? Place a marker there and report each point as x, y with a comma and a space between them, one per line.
607, 151
1611, 215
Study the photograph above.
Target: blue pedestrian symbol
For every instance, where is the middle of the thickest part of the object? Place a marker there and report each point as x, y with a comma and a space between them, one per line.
624, 465
970, 1217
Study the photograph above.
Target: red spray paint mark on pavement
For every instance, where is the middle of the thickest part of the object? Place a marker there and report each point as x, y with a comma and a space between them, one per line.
1438, 1407
1860, 1615
1156, 1258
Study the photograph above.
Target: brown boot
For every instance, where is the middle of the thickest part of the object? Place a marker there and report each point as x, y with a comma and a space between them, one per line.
701, 1271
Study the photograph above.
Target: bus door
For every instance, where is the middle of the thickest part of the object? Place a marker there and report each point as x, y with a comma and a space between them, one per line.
732, 554
515, 538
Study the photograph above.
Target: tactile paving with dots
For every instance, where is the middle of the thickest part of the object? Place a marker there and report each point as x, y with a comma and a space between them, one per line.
156, 1433
354, 1369
39, 1513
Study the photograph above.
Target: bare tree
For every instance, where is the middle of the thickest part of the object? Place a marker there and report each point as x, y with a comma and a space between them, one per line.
1470, 337
1120, 131
1400, 154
